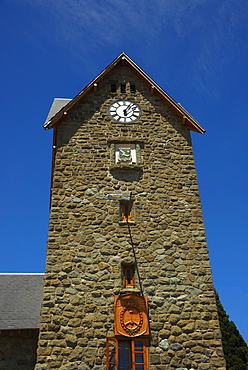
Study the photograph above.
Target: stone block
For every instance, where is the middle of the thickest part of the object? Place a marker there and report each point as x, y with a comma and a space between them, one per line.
189, 328
155, 359
176, 330
164, 345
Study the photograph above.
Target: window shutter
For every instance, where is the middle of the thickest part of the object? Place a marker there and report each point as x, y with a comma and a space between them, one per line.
111, 354
139, 357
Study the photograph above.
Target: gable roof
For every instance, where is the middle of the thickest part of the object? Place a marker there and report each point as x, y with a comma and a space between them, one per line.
20, 300
187, 119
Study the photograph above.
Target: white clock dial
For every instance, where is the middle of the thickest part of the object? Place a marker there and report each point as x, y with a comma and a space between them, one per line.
124, 111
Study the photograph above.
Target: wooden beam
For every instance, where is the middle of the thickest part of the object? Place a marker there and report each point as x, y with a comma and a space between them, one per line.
184, 119
55, 131
152, 89
64, 116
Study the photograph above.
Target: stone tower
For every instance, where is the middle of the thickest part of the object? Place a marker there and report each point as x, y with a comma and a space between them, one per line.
128, 282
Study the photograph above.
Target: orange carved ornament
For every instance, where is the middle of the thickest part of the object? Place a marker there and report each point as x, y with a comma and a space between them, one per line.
131, 315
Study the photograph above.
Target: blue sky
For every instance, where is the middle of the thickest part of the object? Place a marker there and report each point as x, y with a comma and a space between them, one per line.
196, 50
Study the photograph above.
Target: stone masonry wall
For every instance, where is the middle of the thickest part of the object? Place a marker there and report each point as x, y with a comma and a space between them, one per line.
87, 243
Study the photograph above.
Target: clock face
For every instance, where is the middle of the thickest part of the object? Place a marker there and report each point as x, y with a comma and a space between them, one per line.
124, 111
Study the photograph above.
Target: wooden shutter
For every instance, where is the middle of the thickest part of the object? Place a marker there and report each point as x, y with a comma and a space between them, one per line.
112, 354
139, 354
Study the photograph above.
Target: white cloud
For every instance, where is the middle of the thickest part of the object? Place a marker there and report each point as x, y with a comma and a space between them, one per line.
119, 21
201, 32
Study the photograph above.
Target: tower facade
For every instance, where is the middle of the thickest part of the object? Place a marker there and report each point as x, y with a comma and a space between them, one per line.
128, 282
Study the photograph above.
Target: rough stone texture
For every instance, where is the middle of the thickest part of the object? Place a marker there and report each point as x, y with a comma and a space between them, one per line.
87, 243
18, 349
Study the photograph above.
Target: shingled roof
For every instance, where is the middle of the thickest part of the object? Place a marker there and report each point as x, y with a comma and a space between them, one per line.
61, 107
20, 300
57, 105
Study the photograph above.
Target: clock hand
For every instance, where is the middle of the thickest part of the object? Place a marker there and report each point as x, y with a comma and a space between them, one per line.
129, 107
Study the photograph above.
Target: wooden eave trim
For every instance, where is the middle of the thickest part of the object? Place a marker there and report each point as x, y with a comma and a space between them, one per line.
190, 122
54, 149
57, 119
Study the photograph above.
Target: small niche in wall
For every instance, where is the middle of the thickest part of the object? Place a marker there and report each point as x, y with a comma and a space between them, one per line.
113, 88
128, 276
125, 153
132, 89
125, 160
126, 211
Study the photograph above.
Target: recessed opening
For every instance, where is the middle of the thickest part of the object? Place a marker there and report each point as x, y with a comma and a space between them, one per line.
132, 89
113, 88
125, 153
126, 211
128, 276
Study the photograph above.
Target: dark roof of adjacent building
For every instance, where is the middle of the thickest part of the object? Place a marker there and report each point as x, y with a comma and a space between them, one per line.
20, 300
60, 107
57, 105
